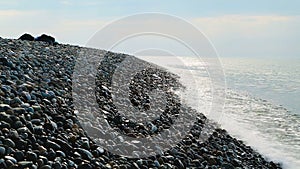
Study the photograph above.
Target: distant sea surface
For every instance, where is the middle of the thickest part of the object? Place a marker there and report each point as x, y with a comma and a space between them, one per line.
262, 104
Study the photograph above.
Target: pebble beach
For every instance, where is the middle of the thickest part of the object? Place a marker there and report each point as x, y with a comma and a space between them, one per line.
40, 128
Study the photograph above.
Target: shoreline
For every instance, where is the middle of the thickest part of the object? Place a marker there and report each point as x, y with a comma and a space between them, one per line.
40, 129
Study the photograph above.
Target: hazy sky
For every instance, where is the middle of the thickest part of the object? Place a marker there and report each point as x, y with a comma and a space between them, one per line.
238, 28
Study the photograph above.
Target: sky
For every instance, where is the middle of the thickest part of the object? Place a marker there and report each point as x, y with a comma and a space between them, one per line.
236, 28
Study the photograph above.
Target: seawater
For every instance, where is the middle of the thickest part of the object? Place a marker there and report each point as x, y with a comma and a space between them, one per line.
261, 106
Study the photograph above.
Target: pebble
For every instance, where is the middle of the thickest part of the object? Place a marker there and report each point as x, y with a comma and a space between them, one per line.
9, 164
2, 151
178, 163
9, 142
56, 165
31, 156
25, 164
212, 160
53, 145
100, 150
45, 167
19, 110
10, 150
4, 124
4, 107
22, 130
227, 166
85, 153
13, 134
17, 124
85, 166
2, 163
19, 155
26, 95
10, 158
39, 130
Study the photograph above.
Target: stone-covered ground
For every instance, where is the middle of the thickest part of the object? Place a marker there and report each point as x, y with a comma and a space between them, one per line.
39, 128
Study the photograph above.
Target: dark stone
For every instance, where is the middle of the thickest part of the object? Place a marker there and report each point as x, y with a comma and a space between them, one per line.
227, 166
56, 165
85, 153
38, 130
9, 164
46, 38
51, 155
53, 145
9, 143
4, 124
3, 60
10, 150
64, 145
19, 110
4, 107
19, 155
26, 36
2, 151
7, 63
46, 167
236, 162
179, 164
212, 160
60, 154
17, 124
31, 156
50, 125
44, 159
85, 166
78, 161
2, 163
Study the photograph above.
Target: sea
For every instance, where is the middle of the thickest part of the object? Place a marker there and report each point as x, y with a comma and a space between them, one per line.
261, 105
